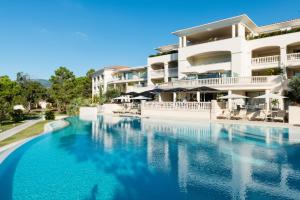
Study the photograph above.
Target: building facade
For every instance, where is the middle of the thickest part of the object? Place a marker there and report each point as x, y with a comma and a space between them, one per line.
233, 55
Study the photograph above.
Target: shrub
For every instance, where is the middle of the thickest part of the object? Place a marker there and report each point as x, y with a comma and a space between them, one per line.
294, 90
17, 115
49, 115
112, 93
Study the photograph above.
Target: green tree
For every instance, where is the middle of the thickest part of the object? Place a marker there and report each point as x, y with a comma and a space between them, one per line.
294, 89
84, 85
8, 91
112, 93
31, 91
63, 87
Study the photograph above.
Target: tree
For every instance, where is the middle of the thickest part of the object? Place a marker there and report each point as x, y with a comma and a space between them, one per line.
84, 85
31, 91
8, 91
294, 89
62, 88
112, 93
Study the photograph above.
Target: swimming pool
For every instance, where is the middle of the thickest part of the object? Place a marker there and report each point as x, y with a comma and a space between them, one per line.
133, 158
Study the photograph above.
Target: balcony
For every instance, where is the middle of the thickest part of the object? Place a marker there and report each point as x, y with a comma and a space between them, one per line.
266, 62
159, 73
293, 59
132, 78
251, 82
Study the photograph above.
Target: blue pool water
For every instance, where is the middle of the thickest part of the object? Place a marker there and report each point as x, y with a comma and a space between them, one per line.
132, 158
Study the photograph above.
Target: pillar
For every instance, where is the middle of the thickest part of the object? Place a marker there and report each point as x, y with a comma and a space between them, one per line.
184, 41
267, 101
233, 31
229, 100
174, 96
166, 72
241, 30
198, 96
159, 97
283, 60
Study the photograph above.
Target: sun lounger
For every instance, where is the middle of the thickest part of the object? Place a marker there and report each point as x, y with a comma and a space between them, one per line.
280, 116
224, 115
242, 114
261, 116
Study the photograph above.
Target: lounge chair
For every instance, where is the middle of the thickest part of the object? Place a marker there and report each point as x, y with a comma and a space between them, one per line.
261, 116
280, 116
224, 115
242, 114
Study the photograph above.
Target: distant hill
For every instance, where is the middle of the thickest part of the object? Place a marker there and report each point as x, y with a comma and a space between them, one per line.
44, 82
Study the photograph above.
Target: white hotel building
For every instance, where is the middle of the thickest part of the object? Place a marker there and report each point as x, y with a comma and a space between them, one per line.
232, 55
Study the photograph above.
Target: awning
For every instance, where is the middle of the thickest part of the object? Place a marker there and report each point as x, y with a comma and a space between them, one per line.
270, 96
141, 98
203, 89
233, 96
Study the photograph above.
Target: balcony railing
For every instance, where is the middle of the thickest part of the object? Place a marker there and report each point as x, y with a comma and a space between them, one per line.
186, 106
266, 60
251, 80
293, 57
157, 73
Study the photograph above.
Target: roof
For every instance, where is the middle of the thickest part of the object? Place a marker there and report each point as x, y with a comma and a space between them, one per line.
294, 23
166, 48
131, 69
218, 24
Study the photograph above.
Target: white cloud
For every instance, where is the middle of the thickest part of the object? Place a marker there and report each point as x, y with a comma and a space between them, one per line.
81, 35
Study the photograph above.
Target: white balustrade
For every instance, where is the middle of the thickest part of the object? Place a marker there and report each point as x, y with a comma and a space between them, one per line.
266, 60
223, 81
158, 73
293, 57
186, 106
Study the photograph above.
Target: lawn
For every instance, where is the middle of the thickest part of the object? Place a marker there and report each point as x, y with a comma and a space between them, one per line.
36, 129
8, 125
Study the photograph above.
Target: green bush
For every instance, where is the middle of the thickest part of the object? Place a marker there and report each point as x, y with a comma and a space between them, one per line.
17, 115
49, 115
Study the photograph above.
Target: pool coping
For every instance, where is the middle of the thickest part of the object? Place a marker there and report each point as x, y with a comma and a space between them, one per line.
6, 150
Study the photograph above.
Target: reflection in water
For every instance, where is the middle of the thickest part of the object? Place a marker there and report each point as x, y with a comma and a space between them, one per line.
214, 161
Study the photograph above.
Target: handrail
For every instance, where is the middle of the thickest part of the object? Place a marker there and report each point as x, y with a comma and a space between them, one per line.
187, 106
293, 56
223, 81
266, 59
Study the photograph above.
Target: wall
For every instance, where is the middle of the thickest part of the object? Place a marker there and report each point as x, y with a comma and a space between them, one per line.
294, 113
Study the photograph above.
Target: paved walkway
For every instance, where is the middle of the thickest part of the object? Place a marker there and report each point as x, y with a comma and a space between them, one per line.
17, 129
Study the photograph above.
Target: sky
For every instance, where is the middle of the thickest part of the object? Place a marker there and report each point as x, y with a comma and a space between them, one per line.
38, 36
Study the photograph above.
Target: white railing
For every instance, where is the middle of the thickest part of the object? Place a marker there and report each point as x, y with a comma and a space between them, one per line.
293, 57
186, 106
266, 60
225, 81
157, 73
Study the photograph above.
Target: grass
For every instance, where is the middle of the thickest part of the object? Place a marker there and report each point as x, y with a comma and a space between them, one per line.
33, 130
8, 125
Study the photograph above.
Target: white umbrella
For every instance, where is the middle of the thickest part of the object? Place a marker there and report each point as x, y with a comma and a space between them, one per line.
233, 96
19, 107
270, 96
141, 98
121, 98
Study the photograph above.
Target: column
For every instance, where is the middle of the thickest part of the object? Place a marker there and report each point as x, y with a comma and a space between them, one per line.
184, 41
233, 31
149, 69
267, 101
166, 72
198, 96
159, 97
180, 42
283, 60
241, 30
229, 100
174, 96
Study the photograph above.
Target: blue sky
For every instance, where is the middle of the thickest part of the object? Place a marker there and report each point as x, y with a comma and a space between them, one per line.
37, 36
